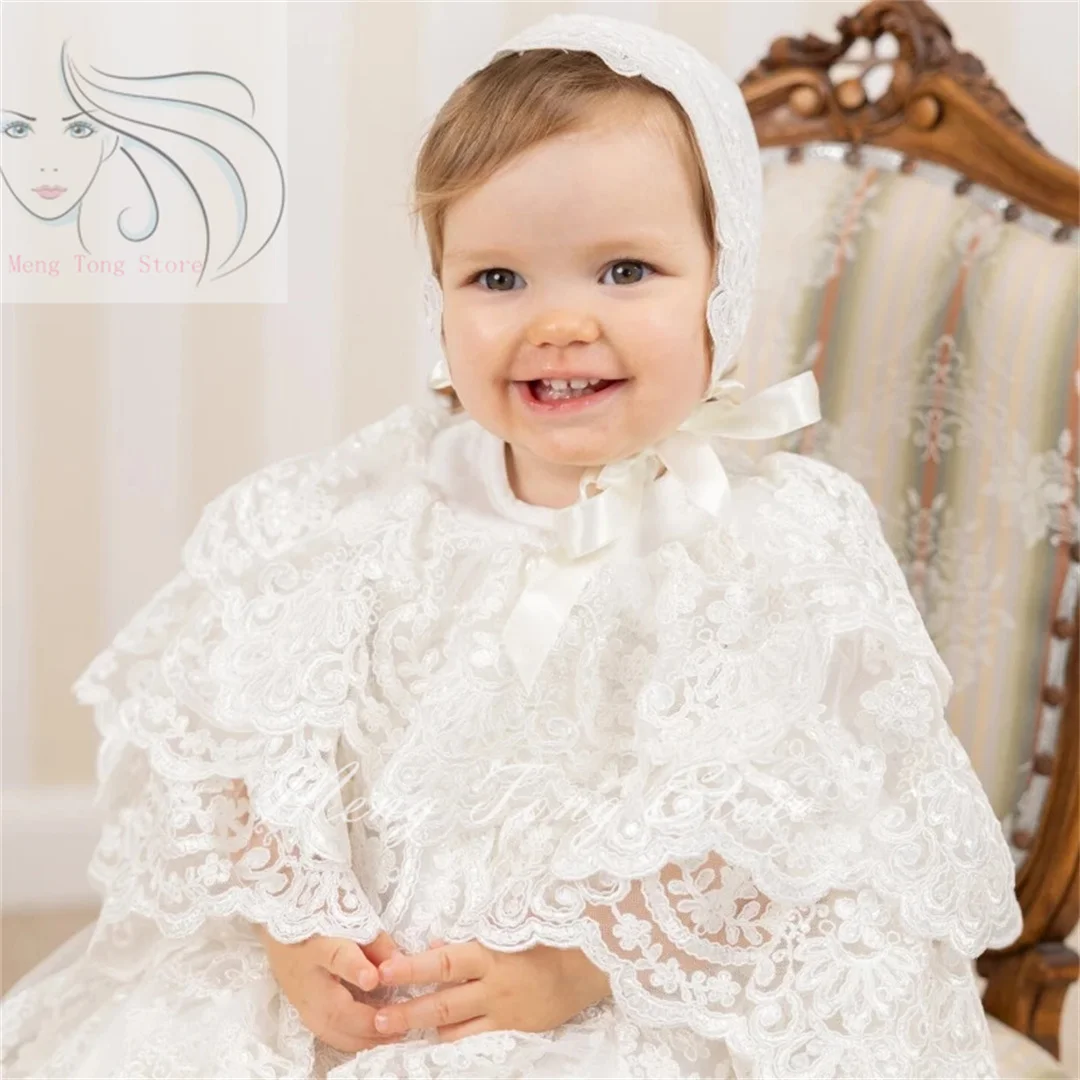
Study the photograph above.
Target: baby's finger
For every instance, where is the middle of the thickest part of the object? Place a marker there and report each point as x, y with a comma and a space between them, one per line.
451, 1006
346, 959
446, 964
343, 1015
382, 948
453, 1032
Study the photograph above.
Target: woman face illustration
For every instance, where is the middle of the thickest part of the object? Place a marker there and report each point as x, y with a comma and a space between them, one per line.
583, 256
51, 150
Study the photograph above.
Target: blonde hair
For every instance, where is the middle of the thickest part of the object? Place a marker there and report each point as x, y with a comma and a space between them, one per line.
520, 100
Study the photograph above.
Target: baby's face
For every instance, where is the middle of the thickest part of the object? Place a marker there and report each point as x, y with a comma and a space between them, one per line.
583, 257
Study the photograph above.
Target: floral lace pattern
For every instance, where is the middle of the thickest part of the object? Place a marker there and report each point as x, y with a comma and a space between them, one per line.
732, 786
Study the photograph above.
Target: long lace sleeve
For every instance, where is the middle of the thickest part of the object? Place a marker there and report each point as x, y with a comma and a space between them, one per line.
765, 832
220, 711
845, 957
221, 706
201, 758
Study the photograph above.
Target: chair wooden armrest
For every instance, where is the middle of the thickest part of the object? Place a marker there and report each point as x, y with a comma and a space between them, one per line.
1026, 989
941, 106
1027, 982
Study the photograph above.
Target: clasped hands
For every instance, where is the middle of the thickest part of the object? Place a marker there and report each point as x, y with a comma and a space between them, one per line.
534, 990
326, 978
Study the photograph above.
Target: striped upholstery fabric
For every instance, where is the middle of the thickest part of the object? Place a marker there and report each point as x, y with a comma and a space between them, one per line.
944, 340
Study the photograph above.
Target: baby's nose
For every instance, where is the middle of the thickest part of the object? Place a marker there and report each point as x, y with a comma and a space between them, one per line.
562, 327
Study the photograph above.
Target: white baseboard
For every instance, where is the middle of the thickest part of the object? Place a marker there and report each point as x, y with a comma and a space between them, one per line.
49, 833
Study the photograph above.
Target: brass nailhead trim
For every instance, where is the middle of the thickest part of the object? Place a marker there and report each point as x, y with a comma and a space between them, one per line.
1053, 695
1043, 764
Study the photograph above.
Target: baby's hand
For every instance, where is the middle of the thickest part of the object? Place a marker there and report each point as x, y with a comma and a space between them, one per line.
308, 973
534, 990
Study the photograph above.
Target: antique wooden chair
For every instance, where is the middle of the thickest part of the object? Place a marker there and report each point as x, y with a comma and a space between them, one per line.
920, 256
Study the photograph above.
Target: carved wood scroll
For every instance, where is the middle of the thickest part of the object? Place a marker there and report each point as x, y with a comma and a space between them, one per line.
894, 78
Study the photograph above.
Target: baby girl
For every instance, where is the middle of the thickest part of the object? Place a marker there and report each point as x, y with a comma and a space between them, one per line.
537, 730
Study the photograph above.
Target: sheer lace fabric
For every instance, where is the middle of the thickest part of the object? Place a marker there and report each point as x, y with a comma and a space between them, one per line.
733, 785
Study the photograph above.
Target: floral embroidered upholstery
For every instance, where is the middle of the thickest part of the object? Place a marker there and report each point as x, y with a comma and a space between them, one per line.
944, 339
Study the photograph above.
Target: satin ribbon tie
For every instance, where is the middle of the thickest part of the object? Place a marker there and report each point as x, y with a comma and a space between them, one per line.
606, 525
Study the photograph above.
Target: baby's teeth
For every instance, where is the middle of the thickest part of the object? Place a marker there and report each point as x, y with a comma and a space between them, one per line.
573, 384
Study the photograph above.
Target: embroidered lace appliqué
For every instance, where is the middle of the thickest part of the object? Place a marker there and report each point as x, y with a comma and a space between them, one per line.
740, 799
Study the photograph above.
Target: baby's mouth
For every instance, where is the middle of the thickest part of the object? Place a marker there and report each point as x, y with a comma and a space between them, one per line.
549, 390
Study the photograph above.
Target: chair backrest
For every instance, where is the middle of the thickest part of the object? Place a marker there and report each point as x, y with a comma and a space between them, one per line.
920, 255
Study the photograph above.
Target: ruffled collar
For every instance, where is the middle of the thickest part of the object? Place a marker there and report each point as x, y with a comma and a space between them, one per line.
598, 526
492, 452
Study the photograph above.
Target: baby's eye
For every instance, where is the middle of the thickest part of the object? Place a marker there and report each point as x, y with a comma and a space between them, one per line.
633, 277
498, 278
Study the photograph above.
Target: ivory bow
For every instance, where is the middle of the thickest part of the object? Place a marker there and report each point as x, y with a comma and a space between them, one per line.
594, 528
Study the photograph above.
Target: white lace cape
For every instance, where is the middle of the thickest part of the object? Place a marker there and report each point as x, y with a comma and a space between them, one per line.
733, 786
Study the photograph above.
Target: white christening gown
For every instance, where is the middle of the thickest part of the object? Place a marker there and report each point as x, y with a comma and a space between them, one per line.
731, 785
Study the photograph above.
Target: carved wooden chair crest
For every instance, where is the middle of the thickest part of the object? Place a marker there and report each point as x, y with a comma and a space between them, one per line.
920, 256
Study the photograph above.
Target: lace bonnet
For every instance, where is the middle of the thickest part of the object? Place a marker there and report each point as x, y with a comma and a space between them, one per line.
591, 527
725, 134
